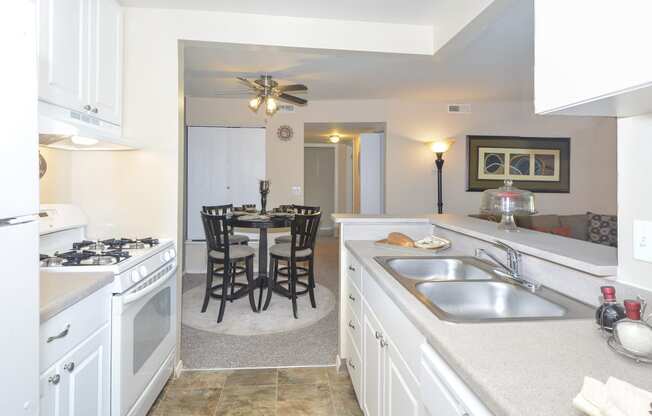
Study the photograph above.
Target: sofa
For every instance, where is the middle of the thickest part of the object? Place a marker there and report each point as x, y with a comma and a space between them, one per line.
591, 227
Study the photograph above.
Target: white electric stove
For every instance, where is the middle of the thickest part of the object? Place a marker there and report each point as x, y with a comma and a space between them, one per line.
143, 305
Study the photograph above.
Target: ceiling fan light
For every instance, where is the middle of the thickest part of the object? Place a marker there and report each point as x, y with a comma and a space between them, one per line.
334, 138
270, 106
255, 102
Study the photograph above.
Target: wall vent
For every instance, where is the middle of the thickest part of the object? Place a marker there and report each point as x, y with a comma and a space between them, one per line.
286, 108
459, 108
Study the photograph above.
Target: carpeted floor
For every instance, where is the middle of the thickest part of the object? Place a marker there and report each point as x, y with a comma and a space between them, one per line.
314, 345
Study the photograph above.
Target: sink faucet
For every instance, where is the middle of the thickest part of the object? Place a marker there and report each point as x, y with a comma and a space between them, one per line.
513, 266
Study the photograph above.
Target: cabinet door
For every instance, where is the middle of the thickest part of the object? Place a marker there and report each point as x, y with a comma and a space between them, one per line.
105, 60
63, 51
401, 387
87, 375
373, 359
52, 393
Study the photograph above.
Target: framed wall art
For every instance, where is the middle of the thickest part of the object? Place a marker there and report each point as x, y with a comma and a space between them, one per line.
538, 164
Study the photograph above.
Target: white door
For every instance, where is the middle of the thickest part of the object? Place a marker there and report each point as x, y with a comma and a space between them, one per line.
319, 181
373, 358
372, 173
63, 51
53, 393
401, 387
223, 167
86, 371
105, 61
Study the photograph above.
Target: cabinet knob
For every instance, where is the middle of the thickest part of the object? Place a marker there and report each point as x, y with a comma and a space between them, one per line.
352, 298
351, 325
352, 268
94, 110
378, 335
383, 343
351, 364
87, 107
70, 367
55, 379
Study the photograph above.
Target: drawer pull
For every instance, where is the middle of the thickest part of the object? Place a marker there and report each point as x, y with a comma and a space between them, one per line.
70, 367
55, 379
352, 298
378, 335
59, 335
351, 364
351, 325
352, 268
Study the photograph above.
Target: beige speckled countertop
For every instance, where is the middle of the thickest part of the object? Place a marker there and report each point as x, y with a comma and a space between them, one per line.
516, 368
60, 290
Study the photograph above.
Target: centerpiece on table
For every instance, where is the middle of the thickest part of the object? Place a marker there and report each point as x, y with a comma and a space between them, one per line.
263, 186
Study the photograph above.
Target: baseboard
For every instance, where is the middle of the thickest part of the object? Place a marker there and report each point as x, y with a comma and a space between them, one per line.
262, 368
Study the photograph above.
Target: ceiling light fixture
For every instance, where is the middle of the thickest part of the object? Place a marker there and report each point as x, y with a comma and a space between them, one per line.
255, 103
270, 106
84, 141
334, 138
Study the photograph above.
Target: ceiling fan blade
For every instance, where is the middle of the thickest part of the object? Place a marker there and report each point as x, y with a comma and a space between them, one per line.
292, 99
233, 93
249, 83
293, 87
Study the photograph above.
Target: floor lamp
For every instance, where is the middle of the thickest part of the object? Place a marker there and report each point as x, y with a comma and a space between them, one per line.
439, 148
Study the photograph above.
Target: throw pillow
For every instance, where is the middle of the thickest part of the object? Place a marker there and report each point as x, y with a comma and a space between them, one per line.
563, 231
603, 229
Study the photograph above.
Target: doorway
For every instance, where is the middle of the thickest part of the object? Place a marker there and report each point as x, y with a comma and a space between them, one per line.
319, 181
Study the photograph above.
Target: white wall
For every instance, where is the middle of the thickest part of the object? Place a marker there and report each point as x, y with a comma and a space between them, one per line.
634, 197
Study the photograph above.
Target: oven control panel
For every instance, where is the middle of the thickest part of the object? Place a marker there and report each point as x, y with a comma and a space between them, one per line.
165, 254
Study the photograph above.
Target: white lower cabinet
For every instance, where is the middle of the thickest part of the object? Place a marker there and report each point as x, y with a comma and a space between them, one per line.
77, 382
400, 374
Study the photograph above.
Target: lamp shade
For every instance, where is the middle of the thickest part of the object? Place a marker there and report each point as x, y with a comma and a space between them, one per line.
440, 146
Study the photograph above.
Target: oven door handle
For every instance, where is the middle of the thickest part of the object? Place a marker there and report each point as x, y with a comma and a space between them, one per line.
133, 297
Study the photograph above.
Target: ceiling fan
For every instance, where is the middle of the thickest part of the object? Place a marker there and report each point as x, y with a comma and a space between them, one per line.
269, 91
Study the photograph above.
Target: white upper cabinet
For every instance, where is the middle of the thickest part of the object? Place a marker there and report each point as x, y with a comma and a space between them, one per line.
63, 47
105, 65
591, 57
80, 56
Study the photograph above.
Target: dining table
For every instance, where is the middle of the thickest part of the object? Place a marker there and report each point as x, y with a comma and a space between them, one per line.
262, 222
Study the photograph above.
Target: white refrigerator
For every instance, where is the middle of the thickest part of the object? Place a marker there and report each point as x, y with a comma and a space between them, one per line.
19, 199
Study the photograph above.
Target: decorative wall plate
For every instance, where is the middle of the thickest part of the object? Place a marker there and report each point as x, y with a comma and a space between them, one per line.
285, 133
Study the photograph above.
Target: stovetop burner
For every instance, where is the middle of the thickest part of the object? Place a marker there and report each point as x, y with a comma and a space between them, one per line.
128, 243
98, 252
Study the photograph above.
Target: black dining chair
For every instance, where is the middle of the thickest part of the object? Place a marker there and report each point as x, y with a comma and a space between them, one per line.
227, 210
301, 248
221, 253
299, 209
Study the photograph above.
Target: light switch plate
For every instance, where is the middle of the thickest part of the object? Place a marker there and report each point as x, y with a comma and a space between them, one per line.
643, 240
296, 190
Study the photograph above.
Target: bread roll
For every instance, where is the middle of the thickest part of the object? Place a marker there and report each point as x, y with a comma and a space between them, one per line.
400, 239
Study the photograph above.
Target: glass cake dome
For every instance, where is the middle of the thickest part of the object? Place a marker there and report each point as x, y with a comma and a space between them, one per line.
507, 201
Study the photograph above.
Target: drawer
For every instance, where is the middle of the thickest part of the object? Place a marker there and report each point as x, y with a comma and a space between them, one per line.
353, 298
353, 269
354, 366
70, 327
353, 327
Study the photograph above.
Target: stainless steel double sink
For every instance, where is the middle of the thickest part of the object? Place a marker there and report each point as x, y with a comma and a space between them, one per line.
467, 289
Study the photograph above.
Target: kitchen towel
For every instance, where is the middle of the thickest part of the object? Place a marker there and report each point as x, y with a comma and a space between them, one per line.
615, 398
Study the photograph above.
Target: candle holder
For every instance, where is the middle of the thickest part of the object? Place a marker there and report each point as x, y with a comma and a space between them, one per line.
263, 186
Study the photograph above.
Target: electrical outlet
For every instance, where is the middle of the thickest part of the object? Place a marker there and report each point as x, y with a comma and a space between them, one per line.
643, 240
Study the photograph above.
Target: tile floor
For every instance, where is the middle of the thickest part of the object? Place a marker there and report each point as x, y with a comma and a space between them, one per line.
264, 392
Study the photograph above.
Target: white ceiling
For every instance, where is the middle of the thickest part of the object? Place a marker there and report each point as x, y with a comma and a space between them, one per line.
320, 132
419, 12
495, 64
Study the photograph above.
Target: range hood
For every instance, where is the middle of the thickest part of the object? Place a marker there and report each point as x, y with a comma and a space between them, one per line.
62, 128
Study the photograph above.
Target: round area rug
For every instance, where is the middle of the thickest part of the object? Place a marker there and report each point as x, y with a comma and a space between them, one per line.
239, 319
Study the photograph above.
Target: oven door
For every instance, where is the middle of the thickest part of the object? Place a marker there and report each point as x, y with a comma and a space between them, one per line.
144, 334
